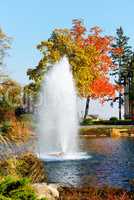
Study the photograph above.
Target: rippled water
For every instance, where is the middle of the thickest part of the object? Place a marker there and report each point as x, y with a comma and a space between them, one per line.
111, 162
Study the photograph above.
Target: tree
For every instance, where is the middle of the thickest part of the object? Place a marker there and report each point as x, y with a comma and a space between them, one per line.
4, 46
62, 42
121, 59
102, 89
103, 45
10, 95
88, 54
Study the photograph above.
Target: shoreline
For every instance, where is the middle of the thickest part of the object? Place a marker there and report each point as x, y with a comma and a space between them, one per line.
106, 131
62, 192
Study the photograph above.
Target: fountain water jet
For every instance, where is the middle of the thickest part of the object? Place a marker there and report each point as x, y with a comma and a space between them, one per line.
57, 120
57, 116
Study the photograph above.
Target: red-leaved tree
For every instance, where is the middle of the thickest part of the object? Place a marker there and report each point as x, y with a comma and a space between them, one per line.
101, 87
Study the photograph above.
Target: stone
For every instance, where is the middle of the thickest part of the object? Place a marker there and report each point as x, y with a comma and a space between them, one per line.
44, 190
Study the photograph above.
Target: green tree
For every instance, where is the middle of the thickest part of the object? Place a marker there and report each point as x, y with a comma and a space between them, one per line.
122, 60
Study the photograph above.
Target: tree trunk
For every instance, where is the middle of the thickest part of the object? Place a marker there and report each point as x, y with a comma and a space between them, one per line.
120, 66
87, 107
119, 106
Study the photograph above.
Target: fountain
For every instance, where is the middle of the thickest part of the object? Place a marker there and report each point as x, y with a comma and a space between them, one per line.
57, 118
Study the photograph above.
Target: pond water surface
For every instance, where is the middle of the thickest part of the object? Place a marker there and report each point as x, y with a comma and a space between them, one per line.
111, 163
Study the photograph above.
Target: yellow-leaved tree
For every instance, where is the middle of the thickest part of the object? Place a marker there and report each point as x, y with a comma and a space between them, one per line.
89, 55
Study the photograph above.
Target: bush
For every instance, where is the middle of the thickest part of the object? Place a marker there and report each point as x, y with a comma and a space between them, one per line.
16, 189
4, 198
26, 165
6, 127
19, 111
17, 131
113, 119
32, 167
11, 183
6, 114
87, 122
12, 188
94, 193
25, 193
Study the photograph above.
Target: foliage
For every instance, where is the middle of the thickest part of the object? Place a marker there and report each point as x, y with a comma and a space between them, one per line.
15, 135
123, 58
113, 119
6, 127
88, 54
19, 111
94, 193
10, 95
122, 62
125, 122
61, 43
103, 45
87, 122
102, 89
131, 79
32, 167
22, 166
12, 188
4, 46
16, 131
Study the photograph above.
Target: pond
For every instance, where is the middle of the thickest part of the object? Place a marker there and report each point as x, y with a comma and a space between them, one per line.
111, 162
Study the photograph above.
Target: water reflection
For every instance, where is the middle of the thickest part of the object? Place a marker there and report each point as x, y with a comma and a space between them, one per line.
112, 163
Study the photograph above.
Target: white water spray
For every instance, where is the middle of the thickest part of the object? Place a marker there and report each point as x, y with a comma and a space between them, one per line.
57, 121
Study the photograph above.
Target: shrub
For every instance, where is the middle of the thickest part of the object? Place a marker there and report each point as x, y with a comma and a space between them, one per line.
25, 193
87, 122
12, 188
19, 111
113, 119
28, 119
26, 165
6, 127
93, 193
6, 114
32, 167
4, 198
16, 189
18, 132
11, 183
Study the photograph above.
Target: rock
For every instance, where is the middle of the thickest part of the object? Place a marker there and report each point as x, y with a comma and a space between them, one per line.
119, 132
50, 191
54, 189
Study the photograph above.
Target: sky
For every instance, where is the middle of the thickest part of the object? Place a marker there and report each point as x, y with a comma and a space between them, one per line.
29, 22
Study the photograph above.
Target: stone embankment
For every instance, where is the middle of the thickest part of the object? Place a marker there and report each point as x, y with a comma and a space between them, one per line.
106, 131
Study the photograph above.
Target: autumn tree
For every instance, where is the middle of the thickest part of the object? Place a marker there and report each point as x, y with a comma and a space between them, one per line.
88, 54
62, 42
100, 87
10, 93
